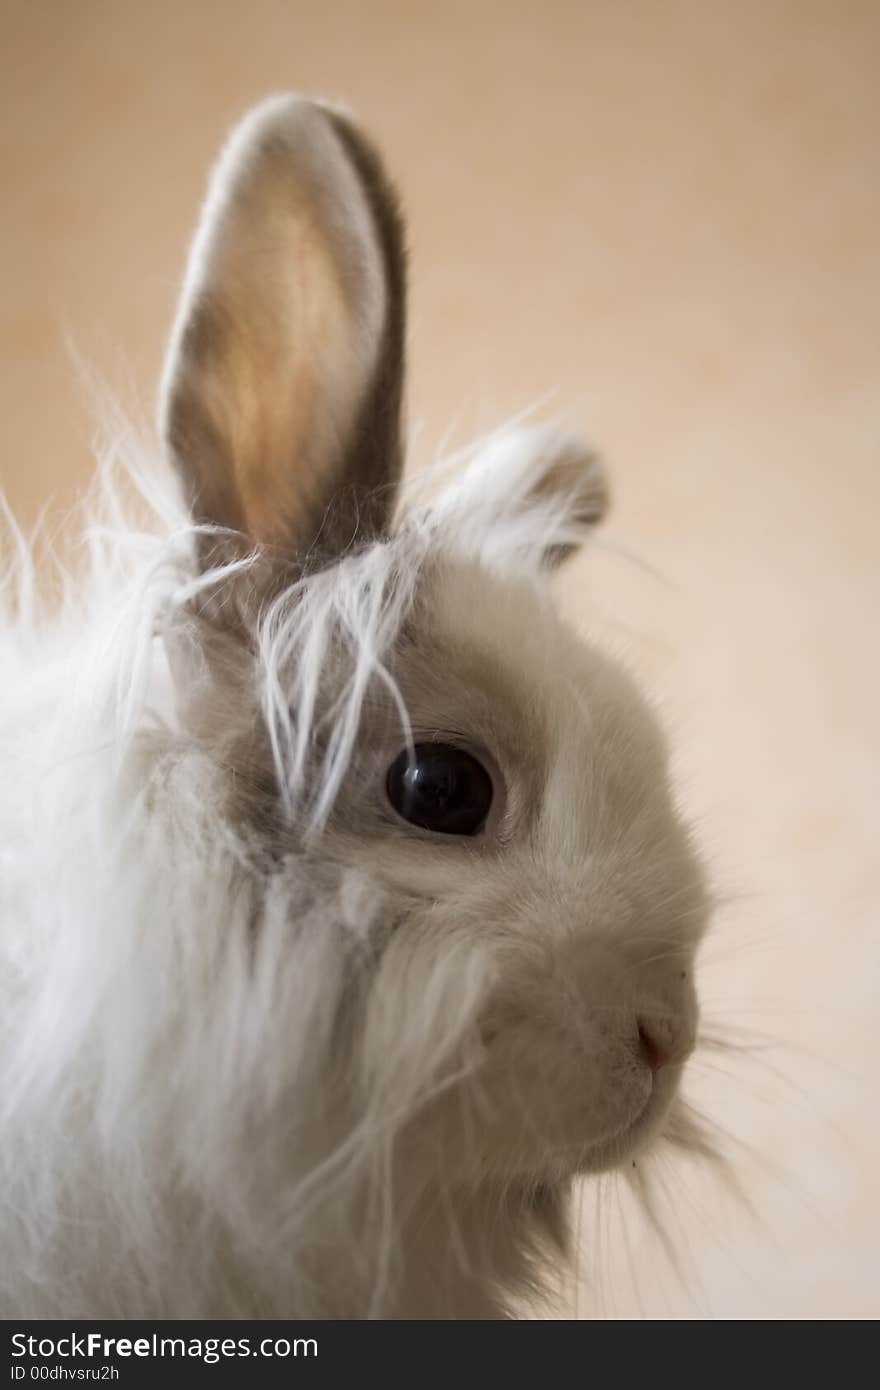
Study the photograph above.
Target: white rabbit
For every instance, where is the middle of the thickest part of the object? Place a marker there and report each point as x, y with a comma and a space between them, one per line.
346, 915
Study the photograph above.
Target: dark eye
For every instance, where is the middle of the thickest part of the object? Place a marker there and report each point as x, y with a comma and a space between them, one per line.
440, 788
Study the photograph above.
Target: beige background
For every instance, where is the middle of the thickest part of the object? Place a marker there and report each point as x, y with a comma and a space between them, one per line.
668, 216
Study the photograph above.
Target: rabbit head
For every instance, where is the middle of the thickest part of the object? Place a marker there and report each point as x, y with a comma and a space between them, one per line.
464, 810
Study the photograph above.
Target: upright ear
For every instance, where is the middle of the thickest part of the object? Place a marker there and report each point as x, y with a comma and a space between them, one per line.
281, 396
527, 500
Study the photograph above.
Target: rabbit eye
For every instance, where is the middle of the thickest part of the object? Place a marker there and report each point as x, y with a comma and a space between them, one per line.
441, 788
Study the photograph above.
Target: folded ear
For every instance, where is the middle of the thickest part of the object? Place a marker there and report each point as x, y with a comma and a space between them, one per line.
281, 397
528, 499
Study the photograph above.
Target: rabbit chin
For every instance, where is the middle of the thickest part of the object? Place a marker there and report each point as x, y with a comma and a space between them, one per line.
613, 1144
615, 1147
638, 1133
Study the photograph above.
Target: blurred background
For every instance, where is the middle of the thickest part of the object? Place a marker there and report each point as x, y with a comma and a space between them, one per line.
662, 222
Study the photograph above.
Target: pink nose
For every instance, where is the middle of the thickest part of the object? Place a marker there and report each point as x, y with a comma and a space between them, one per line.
653, 1048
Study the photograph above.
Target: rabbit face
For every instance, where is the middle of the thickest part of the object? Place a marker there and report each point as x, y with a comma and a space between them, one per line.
523, 903
575, 910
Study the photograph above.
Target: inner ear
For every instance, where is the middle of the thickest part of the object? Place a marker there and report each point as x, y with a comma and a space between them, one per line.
282, 393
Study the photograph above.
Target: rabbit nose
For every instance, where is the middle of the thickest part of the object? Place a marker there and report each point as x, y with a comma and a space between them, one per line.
660, 1042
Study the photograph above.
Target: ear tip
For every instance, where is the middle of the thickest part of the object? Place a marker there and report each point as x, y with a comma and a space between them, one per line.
291, 115
281, 109
316, 133
572, 468
289, 119
595, 486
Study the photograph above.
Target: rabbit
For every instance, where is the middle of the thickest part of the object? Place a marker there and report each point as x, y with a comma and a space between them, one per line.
348, 916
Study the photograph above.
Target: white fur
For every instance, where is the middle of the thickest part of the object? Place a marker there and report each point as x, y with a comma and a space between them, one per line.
266, 1050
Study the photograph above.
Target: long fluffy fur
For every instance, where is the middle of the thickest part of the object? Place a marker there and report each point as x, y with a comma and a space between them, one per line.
138, 1039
